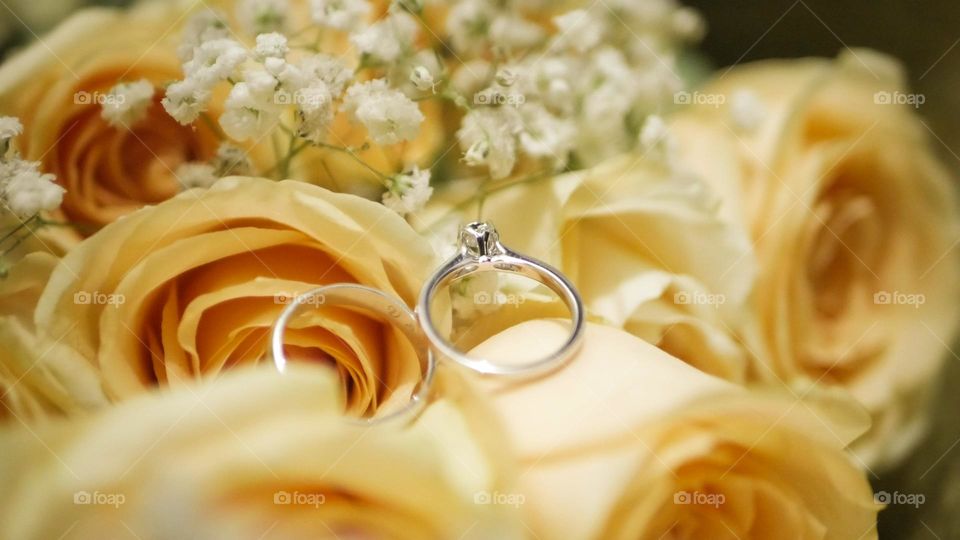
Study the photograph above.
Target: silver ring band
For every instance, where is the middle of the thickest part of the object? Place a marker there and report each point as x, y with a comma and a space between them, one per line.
391, 310
480, 250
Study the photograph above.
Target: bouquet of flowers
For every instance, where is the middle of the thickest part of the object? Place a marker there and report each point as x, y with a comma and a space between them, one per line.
765, 256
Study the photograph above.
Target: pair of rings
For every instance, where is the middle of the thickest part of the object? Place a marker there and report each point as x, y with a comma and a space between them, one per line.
479, 250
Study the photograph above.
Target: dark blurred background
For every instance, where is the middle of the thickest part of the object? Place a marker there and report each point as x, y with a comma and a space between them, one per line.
925, 35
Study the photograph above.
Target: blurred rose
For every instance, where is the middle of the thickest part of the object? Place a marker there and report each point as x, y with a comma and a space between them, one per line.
257, 455
644, 246
854, 223
627, 442
57, 86
192, 286
38, 376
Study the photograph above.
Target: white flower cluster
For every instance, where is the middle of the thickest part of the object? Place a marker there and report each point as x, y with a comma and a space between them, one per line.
24, 190
127, 103
230, 160
583, 95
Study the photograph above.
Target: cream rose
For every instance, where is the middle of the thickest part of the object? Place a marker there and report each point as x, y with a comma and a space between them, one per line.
257, 455
57, 87
192, 286
626, 441
38, 376
854, 223
644, 246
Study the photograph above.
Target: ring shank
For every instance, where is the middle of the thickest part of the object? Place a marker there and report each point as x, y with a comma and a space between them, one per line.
390, 310
509, 262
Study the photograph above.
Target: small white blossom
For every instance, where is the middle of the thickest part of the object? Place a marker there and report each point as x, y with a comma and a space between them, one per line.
315, 110
232, 160
25, 191
579, 29
196, 175
340, 14
422, 79
511, 31
185, 100
408, 192
388, 39
688, 24
10, 127
656, 140
467, 25
272, 45
490, 136
319, 67
214, 61
127, 103
204, 26
389, 116
747, 110
249, 112
263, 16
546, 136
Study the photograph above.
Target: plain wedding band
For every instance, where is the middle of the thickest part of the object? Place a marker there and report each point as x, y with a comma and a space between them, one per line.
383, 306
480, 250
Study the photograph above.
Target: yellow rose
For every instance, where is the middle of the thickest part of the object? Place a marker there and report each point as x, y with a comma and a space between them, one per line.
56, 87
854, 224
38, 376
626, 441
192, 286
644, 246
257, 455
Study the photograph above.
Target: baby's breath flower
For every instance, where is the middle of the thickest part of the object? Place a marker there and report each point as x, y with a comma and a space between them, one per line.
185, 100
389, 39
196, 175
204, 26
127, 103
10, 127
422, 79
231, 160
315, 110
468, 24
746, 110
546, 136
214, 61
408, 192
263, 16
25, 191
331, 71
512, 31
250, 111
340, 14
490, 136
389, 116
656, 140
688, 24
272, 45
579, 29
